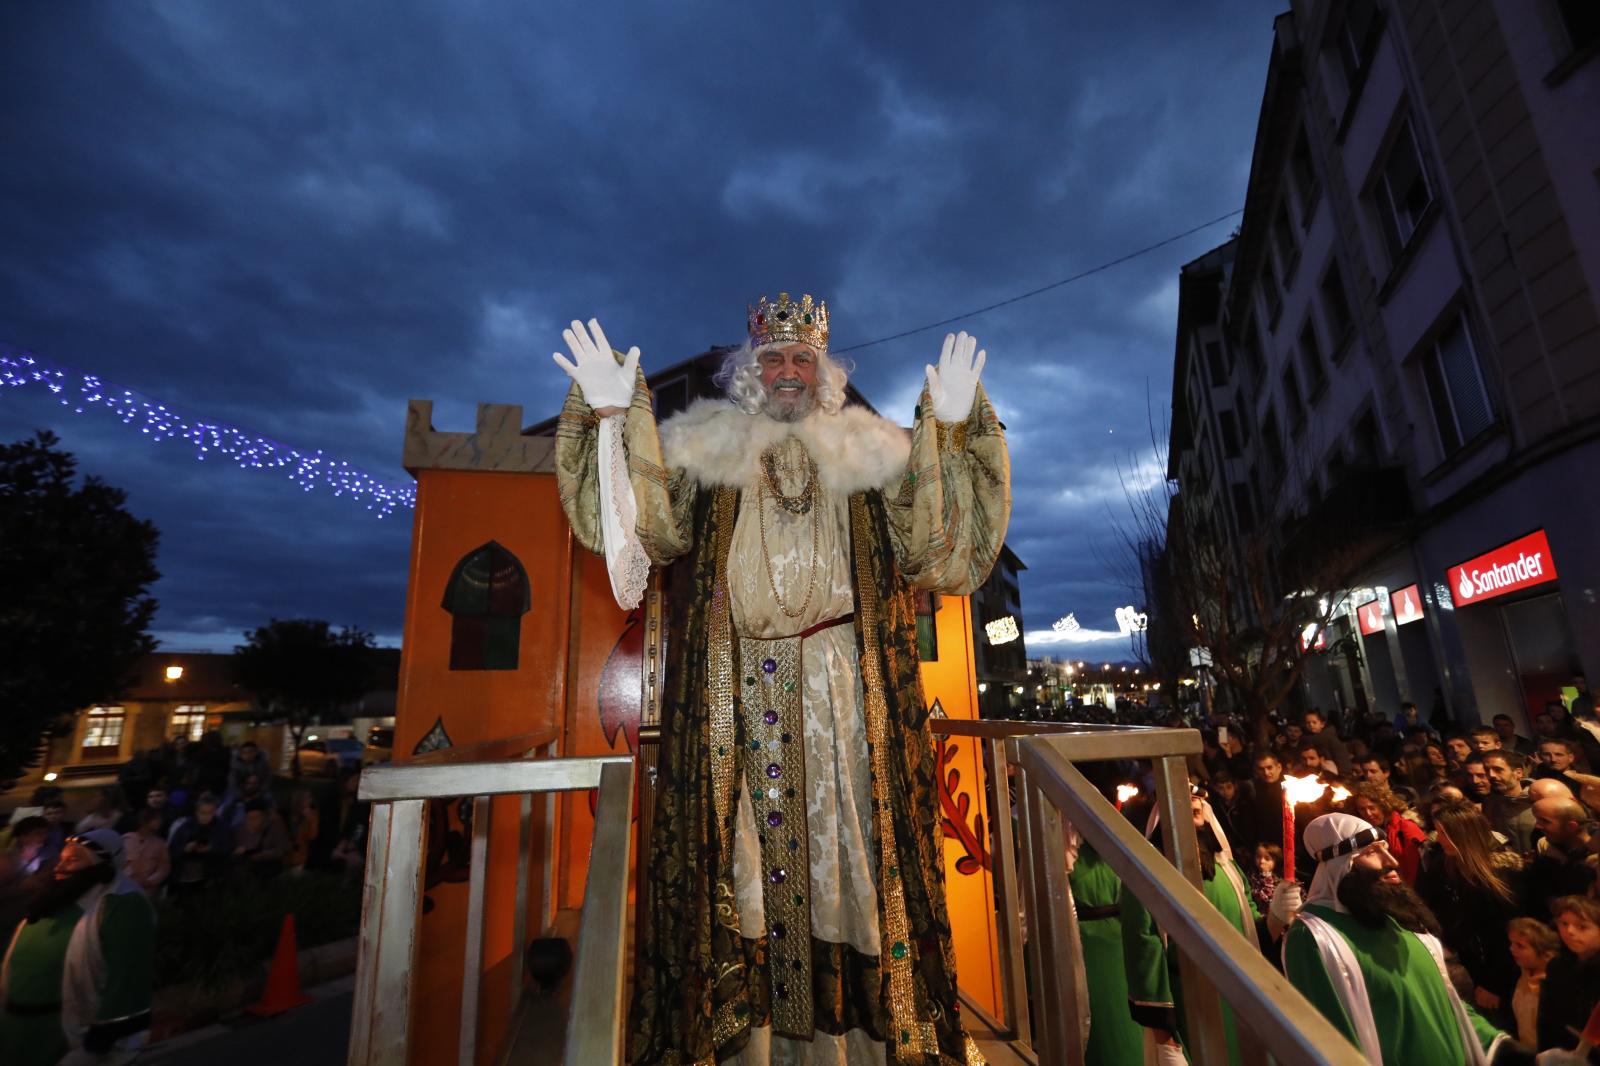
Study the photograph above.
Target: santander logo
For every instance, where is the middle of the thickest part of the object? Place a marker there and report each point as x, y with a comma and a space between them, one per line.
1523, 563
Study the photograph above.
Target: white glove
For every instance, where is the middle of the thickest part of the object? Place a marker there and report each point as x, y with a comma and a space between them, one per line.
602, 380
1287, 900
954, 385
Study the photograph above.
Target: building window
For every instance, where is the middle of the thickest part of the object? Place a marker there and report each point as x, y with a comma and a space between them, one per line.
1294, 405
102, 732
1283, 238
1271, 295
1251, 343
1241, 507
1302, 170
1336, 306
1353, 39
1402, 191
188, 721
1218, 367
1311, 359
1581, 20
487, 596
1272, 443
1230, 434
1461, 407
1244, 417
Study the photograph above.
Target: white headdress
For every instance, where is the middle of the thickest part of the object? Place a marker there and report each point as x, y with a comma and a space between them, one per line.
1334, 840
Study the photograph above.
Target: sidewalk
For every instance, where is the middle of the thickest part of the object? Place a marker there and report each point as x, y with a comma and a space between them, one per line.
317, 1034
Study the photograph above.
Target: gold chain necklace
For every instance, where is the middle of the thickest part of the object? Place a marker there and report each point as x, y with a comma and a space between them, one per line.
800, 502
769, 483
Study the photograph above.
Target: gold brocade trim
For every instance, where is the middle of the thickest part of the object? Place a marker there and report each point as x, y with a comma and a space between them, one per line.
911, 1038
771, 699
951, 436
719, 678
579, 417
727, 1024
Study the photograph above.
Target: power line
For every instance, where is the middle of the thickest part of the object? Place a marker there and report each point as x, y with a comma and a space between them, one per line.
1043, 288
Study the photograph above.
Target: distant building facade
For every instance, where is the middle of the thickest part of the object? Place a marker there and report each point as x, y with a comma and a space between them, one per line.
1406, 326
999, 652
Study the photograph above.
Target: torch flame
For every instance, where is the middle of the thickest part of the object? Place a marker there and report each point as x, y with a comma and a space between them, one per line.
1306, 789
1126, 792
1340, 793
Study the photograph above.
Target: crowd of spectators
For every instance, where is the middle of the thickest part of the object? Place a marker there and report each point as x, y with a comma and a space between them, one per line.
196, 819
1493, 830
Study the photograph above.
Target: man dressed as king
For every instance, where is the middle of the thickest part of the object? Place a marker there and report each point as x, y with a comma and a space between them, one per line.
796, 905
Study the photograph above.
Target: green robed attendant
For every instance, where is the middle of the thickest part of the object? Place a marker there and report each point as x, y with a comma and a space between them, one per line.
796, 908
76, 979
1362, 952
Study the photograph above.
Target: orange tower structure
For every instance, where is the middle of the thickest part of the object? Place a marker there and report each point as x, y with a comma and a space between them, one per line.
514, 647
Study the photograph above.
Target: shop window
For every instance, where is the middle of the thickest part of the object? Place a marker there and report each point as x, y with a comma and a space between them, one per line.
927, 629
1311, 359
1402, 191
1336, 307
102, 732
486, 596
188, 721
1461, 407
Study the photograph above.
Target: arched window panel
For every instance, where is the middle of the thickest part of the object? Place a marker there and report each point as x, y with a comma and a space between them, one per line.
487, 595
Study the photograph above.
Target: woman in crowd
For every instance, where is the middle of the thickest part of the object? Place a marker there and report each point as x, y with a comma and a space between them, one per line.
1385, 810
1475, 890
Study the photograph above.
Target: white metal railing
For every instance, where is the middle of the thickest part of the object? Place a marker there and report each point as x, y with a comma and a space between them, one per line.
1213, 957
392, 899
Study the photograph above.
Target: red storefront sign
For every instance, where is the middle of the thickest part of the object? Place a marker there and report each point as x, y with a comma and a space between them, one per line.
1369, 616
1523, 563
1406, 604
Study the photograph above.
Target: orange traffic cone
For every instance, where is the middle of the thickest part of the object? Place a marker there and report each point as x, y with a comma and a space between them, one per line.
283, 979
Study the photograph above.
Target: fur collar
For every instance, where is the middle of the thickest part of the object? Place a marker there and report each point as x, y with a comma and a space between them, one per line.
716, 443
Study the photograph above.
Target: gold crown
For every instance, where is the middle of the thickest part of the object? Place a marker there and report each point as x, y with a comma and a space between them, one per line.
787, 321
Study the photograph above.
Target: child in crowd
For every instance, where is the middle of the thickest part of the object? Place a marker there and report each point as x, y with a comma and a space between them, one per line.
1572, 981
1268, 872
1533, 945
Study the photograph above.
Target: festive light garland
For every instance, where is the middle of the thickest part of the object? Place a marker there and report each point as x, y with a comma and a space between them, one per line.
81, 392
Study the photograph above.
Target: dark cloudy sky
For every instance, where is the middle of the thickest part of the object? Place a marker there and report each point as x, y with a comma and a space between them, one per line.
294, 216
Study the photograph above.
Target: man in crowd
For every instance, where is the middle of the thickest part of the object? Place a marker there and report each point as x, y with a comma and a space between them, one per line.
1474, 779
1566, 865
261, 842
1509, 808
201, 847
1408, 719
252, 789
1365, 953
247, 760
155, 799
1558, 754
1376, 769
1457, 750
1329, 745
1510, 739
1266, 795
149, 862
1235, 812
77, 975
1484, 739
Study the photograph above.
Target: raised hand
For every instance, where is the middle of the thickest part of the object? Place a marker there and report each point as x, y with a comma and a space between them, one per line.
954, 384
607, 385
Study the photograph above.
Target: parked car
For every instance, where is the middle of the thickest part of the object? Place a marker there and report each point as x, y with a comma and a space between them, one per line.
380, 745
326, 756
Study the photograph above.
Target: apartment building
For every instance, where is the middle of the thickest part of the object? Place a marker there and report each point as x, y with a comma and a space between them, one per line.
1402, 343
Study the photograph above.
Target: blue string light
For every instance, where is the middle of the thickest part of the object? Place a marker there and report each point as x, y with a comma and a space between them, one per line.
82, 392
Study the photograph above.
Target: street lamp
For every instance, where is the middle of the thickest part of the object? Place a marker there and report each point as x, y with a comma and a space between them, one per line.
174, 673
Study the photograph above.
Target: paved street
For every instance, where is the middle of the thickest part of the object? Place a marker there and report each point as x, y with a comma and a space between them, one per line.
314, 1035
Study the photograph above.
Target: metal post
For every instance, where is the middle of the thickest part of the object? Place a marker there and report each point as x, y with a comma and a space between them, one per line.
1202, 1008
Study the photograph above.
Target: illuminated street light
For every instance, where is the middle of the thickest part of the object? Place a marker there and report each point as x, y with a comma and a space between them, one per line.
174, 673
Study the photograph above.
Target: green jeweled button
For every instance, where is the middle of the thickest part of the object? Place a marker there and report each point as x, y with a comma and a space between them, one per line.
741, 1009
912, 477
755, 745
722, 749
899, 949
788, 686
749, 680
905, 1036
894, 871
799, 900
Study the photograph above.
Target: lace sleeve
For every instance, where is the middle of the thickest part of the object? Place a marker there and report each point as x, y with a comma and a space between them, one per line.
626, 560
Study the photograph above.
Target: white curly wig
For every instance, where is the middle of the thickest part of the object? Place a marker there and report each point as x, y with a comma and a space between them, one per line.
741, 377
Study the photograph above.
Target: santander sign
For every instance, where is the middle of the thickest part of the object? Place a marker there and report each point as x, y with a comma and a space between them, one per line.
1523, 563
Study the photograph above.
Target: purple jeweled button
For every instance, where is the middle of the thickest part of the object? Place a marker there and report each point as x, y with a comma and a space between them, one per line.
774, 770
769, 666
771, 718
779, 876
779, 930
783, 990
774, 818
